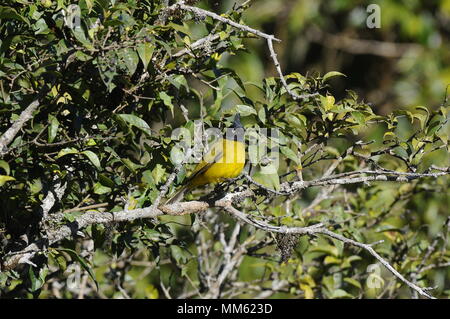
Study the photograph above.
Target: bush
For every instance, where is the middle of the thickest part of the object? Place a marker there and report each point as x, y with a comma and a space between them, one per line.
90, 95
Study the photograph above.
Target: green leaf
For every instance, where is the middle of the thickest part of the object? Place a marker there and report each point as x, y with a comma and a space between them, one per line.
101, 189
57, 258
67, 151
93, 158
10, 13
5, 166
327, 102
80, 35
91, 142
145, 52
69, 217
130, 58
270, 180
331, 74
331, 260
388, 136
309, 293
423, 108
332, 151
37, 282
89, 4
52, 128
296, 121
35, 186
290, 154
167, 100
107, 73
353, 282
136, 121
348, 261
106, 181
262, 115
4, 179
422, 119
328, 249
177, 155
340, 293
359, 117
245, 110
147, 178
179, 254
130, 165
223, 35
158, 173
178, 81
302, 118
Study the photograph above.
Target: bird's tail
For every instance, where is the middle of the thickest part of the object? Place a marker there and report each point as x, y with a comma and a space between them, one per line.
179, 195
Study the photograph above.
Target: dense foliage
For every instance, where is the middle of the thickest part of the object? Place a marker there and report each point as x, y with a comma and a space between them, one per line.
112, 79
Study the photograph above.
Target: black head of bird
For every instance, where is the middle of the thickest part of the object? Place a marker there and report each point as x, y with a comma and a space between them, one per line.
237, 121
237, 130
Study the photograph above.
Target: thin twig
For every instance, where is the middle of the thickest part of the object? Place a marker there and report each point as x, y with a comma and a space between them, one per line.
319, 229
269, 38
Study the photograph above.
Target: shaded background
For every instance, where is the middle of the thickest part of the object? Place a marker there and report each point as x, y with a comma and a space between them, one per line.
405, 63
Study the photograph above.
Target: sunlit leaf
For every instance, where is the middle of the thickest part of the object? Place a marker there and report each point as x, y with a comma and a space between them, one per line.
331, 74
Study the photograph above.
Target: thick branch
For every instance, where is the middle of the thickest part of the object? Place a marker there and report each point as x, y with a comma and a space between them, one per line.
55, 192
11, 133
92, 218
200, 206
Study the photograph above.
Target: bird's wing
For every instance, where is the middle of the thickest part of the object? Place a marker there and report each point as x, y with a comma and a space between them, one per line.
213, 156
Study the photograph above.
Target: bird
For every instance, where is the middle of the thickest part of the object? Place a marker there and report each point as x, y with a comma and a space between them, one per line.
224, 160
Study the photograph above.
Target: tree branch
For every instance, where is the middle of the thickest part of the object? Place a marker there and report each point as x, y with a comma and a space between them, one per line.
378, 175
183, 208
197, 44
13, 259
201, 13
55, 192
11, 133
273, 55
361, 46
320, 229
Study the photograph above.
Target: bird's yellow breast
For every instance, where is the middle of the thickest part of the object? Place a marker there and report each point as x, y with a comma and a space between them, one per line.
229, 165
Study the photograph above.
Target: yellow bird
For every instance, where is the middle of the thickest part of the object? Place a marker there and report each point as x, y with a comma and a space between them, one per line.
224, 160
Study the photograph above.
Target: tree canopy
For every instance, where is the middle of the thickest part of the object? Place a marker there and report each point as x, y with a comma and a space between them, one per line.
90, 95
